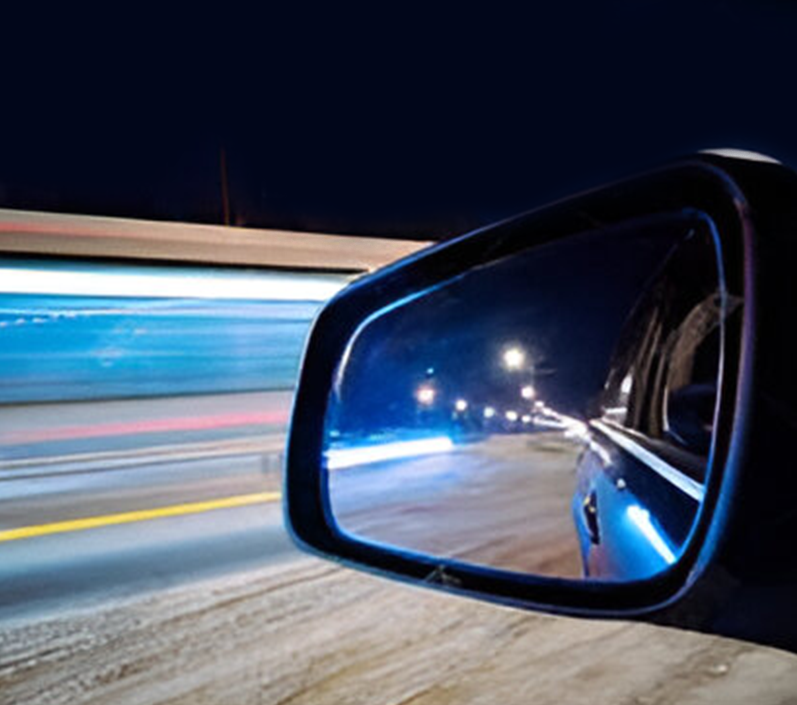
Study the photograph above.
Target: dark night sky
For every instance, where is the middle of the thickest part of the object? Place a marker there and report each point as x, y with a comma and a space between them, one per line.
591, 282
423, 124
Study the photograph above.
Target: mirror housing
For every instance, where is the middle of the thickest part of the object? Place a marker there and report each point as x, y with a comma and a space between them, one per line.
733, 577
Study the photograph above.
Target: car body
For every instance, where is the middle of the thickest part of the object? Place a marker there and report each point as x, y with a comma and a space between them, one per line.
642, 475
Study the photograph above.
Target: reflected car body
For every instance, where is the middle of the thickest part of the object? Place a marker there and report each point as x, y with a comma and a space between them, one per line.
641, 477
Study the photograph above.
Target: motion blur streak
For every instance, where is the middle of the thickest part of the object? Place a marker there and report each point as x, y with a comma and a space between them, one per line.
135, 401
154, 282
190, 423
350, 457
92, 331
641, 518
96, 522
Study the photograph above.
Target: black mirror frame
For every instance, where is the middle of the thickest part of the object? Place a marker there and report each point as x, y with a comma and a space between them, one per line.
750, 203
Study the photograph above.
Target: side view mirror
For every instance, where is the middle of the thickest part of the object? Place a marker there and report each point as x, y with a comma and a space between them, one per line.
586, 410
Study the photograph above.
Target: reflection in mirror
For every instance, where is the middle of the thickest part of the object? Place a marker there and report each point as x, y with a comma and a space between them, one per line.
550, 413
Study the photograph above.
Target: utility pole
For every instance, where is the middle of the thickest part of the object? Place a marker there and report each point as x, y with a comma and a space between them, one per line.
225, 194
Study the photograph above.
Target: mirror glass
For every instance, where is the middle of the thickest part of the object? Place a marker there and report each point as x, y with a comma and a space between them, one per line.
551, 412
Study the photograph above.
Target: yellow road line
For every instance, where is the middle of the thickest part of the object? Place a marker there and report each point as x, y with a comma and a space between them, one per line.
175, 510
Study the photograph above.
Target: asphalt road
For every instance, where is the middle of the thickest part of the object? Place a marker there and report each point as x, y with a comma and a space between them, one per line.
105, 500
47, 574
216, 606
306, 632
503, 502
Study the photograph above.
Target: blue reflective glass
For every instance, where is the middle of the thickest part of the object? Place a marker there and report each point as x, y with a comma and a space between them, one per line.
550, 413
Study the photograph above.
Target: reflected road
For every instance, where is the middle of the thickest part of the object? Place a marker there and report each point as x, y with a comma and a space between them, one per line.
502, 502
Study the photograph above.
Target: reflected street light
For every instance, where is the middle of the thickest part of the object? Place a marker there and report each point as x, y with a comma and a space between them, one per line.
425, 394
514, 358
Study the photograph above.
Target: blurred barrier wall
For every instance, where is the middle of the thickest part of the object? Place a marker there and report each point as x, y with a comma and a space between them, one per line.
70, 348
106, 308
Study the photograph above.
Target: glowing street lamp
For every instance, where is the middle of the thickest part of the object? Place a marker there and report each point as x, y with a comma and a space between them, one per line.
514, 358
461, 405
425, 394
489, 412
511, 416
528, 392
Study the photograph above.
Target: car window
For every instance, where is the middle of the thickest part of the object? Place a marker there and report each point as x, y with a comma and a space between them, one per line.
662, 385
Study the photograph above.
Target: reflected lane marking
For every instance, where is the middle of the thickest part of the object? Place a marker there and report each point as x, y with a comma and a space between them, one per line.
175, 510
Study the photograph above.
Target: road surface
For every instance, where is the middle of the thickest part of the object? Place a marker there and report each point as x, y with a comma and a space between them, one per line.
216, 606
307, 633
502, 502
102, 500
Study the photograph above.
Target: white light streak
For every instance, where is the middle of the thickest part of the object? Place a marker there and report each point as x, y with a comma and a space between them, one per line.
742, 154
153, 282
601, 452
674, 476
351, 457
641, 519
574, 428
